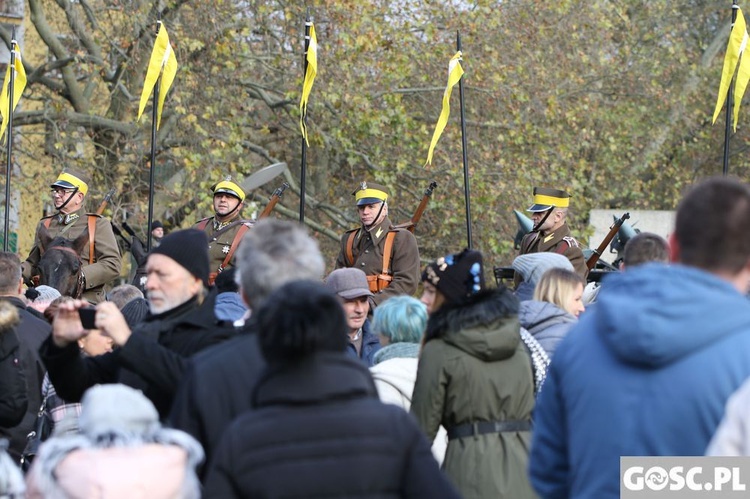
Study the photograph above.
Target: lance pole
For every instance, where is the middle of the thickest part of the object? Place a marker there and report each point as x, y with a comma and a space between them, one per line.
303, 166
9, 156
463, 150
730, 105
154, 117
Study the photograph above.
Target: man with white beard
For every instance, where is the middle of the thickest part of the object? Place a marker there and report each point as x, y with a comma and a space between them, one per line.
153, 356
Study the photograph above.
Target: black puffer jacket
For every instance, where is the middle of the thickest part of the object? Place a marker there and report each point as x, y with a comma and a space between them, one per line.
319, 430
31, 332
13, 399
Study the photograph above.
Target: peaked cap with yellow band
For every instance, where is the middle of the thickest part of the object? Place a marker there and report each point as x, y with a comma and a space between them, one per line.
545, 198
370, 193
72, 179
228, 186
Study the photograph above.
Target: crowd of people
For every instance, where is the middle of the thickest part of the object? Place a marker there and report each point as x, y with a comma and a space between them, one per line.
241, 369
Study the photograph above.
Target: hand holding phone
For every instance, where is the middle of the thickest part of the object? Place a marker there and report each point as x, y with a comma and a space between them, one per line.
88, 317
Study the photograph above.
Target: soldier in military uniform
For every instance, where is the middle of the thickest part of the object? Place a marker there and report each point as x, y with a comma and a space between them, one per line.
226, 228
68, 195
551, 232
388, 255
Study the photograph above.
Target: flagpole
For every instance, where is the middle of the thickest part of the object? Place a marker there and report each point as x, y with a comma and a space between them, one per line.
8, 162
463, 150
730, 105
154, 117
303, 167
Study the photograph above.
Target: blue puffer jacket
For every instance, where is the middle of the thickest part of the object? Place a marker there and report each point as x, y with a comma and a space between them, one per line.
646, 372
546, 322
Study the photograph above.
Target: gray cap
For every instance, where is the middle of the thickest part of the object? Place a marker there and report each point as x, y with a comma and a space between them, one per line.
348, 283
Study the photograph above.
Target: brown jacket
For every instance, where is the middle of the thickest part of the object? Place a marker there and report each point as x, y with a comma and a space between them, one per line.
107, 258
368, 256
560, 242
220, 241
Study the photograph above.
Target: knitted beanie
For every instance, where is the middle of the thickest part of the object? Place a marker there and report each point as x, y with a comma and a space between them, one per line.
116, 408
533, 265
458, 276
134, 311
189, 248
46, 293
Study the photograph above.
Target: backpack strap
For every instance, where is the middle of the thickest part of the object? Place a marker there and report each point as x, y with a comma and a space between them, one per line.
92, 236
349, 248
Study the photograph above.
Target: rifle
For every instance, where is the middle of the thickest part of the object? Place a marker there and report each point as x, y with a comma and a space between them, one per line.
105, 201
612, 233
412, 224
273, 200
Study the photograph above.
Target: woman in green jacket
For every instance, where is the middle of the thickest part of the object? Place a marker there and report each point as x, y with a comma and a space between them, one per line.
475, 379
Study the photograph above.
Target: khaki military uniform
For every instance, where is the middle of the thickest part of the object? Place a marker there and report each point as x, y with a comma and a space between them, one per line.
107, 258
220, 239
560, 242
368, 256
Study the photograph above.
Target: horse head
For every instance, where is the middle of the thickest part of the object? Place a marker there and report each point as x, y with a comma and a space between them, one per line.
60, 264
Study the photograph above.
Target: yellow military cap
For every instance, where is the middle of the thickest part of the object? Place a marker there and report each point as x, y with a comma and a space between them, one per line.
545, 198
228, 186
370, 193
72, 179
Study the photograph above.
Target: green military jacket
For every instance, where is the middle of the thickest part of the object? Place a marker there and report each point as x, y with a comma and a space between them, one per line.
368, 255
107, 258
220, 239
560, 242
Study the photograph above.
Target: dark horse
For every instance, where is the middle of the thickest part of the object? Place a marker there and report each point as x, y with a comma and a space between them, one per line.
60, 264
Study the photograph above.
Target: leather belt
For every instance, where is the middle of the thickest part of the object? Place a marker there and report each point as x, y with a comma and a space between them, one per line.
484, 427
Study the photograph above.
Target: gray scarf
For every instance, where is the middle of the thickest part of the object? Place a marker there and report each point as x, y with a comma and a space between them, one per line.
397, 351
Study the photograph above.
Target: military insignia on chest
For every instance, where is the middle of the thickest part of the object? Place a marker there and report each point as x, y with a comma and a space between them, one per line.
225, 249
379, 232
549, 238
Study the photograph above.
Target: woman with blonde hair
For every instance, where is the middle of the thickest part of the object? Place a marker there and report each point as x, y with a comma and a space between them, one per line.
555, 308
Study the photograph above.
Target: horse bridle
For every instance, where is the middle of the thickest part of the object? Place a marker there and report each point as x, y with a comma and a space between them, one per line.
80, 284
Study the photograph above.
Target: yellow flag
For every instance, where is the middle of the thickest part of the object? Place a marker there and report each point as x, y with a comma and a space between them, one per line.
455, 71
19, 83
163, 62
312, 70
738, 40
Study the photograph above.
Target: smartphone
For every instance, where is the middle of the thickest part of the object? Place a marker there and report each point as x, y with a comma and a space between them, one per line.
88, 317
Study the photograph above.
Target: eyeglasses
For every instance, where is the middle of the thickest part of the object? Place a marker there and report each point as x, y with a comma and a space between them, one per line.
57, 191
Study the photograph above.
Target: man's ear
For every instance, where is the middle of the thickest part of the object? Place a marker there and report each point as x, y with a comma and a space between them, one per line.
20, 286
674, 249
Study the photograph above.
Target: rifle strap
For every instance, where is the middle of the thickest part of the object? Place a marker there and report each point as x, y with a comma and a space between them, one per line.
235, 242
387, 250
562, 248
202, 224
92, 233
348, 253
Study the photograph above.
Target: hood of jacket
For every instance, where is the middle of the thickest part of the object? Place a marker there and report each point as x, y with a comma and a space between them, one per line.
537, 316
398, 373
323, 377
481, 327
656, 314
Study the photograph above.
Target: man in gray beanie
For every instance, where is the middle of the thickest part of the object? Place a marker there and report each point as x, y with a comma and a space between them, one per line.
153, 355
